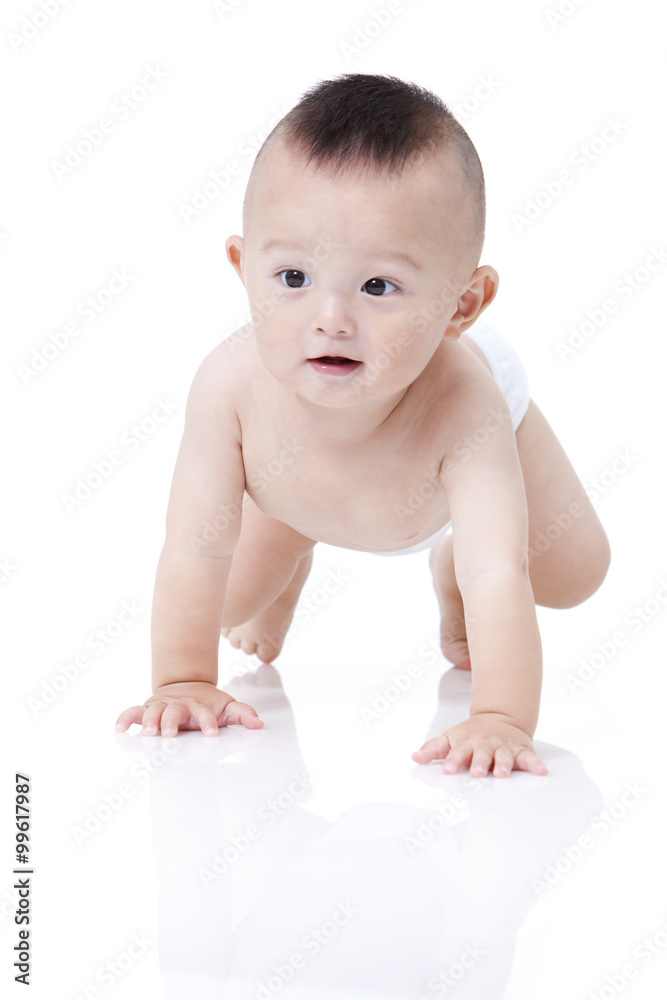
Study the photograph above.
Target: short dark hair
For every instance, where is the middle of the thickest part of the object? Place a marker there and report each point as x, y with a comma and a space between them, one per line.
359, 119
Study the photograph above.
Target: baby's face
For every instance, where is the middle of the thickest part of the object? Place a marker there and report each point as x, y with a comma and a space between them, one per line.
369, 268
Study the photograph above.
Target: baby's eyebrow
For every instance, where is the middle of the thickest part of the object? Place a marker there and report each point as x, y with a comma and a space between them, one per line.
398, 255
279, 245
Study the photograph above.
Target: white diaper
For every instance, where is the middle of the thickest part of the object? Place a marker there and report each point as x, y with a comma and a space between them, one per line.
507, 369
510, 375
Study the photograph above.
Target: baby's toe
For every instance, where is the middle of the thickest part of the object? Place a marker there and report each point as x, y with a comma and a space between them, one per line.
456, 651
266, 651
233, 637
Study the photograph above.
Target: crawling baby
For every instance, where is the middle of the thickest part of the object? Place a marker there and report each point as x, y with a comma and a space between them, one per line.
367, 373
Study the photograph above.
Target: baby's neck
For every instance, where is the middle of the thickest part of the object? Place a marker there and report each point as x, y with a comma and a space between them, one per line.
346, 426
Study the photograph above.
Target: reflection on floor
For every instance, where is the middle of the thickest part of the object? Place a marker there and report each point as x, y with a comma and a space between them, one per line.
419, 895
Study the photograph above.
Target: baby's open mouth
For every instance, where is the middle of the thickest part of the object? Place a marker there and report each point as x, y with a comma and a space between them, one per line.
335, 361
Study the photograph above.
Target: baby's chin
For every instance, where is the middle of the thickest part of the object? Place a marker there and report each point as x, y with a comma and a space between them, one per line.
362, 398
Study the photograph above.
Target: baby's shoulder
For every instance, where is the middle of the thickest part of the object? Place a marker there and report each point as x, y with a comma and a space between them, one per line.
472, 392
229, 362
220, 380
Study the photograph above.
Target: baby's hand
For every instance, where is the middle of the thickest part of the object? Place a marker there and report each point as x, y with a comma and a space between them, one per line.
189, 705
478, 743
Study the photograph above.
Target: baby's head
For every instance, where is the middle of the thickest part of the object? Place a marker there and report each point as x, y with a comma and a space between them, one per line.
363, 226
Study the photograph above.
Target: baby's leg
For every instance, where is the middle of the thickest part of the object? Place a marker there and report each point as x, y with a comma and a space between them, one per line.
270, 565
453, 641
568, 549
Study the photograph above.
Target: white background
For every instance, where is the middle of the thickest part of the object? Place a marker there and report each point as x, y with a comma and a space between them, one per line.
228, 76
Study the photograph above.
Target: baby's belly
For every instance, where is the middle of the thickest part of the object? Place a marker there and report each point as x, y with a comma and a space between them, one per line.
383, 521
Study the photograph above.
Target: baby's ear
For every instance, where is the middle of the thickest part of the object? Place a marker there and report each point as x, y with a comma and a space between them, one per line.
234, 251
479, 294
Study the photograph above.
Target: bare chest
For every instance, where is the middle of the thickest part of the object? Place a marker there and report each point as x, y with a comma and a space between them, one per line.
382, 495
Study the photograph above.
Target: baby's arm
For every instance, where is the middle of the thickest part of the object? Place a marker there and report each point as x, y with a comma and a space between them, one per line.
194, 566
489, 515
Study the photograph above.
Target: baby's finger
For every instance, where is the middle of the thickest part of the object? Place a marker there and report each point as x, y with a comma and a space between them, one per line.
176, 714
527, 760
129, 717
457, 758
504, 762
206, 719
481, 762
436, 748
237, 713
151, 719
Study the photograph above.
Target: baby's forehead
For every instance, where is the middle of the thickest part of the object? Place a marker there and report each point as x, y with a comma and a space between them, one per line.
285, 172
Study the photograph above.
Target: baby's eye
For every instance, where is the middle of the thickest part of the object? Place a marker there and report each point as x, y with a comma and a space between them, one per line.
294, 278
378, 286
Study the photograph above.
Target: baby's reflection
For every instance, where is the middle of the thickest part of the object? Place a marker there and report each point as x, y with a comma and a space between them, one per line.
260, 897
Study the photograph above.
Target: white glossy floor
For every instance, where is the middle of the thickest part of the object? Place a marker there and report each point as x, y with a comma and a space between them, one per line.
348, 872
314, 858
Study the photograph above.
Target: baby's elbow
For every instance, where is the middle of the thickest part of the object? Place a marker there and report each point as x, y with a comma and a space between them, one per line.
495, 576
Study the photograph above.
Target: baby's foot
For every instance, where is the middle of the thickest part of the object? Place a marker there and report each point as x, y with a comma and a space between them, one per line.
264, 634
453, 635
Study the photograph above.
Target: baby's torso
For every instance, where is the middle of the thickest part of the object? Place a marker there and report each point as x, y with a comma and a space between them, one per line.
377, 496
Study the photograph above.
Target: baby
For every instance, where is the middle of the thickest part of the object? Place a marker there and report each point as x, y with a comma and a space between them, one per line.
385, 415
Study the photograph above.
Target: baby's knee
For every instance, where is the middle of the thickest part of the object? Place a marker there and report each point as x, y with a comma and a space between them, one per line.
601, 560
593, 566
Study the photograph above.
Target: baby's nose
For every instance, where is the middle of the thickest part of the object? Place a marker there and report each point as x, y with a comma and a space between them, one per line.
333, 316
